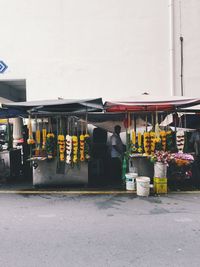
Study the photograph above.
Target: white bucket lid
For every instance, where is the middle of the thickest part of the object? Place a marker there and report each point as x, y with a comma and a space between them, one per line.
131, 175
143, 179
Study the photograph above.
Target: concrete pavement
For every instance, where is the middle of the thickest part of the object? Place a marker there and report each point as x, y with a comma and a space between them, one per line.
99, 230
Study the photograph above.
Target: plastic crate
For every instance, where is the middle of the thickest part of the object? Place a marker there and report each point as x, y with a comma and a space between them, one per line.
160, 185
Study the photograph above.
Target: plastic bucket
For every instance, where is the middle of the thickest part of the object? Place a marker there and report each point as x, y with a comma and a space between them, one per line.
160, 170
130, 180
143, 186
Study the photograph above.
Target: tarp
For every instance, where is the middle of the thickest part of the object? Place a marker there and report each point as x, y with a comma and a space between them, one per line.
9, 112
4, 100
60, 105
150, 103
108, 121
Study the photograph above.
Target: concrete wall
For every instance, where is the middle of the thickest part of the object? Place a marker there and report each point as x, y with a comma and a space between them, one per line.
187, 24
86, 48
11, 93
108, 48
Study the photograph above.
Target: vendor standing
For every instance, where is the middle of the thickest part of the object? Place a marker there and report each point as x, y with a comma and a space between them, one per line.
195, 141
117, 153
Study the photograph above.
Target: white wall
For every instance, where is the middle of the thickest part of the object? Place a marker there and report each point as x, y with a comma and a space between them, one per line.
87, 48
187, 24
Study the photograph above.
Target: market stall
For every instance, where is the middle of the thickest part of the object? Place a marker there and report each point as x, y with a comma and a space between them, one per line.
62, 150
150, 150
58, 141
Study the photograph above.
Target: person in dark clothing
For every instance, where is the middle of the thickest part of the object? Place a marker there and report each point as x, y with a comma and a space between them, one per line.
117, 153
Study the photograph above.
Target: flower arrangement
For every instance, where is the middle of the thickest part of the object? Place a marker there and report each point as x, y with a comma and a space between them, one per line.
82, 147
68, 148
169, 140
30, 140
140, 143
133, 143
180, 140
61, 144
44, 138
38, 140
163, 139
146, 143
87, 147
161, 156
75, 149
152, 141
50, 145
182, 159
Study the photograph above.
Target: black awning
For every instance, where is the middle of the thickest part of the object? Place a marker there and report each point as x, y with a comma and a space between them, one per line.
61, 105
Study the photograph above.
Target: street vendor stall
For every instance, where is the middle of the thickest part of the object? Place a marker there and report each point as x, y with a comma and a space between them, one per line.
59, 143
64, 152
149, 151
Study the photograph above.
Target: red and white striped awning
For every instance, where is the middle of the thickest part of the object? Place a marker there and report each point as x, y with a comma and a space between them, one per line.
150, 103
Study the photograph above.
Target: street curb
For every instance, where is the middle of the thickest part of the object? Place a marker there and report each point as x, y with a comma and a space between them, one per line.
94, 192
66, 192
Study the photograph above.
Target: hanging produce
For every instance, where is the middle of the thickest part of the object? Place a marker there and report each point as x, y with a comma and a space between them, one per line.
82, 147
68, 149
140, 143
75, 149
50, 145
180, 140
147, 143
61, 144
163, 140
30, 140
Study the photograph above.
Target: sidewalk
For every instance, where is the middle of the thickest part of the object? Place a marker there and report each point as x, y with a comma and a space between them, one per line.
28, 188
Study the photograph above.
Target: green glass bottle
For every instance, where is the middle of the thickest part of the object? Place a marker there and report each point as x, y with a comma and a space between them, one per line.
124, 169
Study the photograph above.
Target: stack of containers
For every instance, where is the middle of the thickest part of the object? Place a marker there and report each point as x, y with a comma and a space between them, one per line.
160, 178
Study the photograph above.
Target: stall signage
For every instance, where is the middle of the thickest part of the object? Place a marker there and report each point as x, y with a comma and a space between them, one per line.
3, 66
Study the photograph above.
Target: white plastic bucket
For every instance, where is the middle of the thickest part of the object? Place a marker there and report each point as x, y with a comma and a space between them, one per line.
160, 170
130, 180
143, 186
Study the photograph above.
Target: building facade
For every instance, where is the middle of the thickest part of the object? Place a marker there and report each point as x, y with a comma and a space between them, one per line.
108, 48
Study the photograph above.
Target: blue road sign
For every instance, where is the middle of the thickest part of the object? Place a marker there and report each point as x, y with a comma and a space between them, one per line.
3, 66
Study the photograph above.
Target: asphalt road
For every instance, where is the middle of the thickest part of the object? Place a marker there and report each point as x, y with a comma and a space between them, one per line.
103, 230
